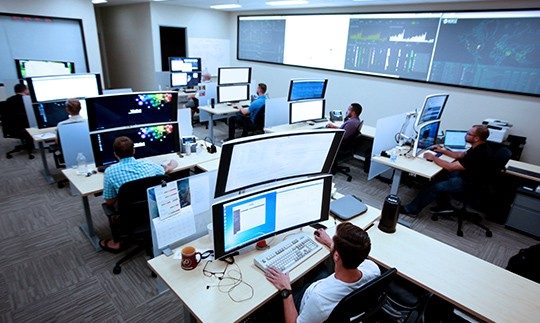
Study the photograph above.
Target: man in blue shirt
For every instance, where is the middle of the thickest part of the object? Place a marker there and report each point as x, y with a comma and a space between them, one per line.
126, 170
246, 116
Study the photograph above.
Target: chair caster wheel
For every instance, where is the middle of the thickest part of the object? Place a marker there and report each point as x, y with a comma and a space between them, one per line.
153, 274
116, 270
31, 157
9, 156
460, 233
489, 234
349, 179
60, 185
435, 217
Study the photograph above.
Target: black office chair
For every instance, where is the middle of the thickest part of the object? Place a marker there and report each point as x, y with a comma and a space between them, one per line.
132, 217
478, 195
14, 124
345, 154
257, 127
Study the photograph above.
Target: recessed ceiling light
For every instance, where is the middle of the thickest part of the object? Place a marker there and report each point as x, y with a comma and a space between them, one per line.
286, 2
226, 6
99, 1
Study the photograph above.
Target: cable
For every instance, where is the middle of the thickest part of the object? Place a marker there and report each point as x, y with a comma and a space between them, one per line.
230, 282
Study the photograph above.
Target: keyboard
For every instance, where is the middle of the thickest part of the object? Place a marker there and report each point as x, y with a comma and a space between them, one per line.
288, 254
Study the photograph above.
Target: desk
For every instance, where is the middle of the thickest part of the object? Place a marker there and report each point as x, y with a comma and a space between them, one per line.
210, 305
40, 136
209, 165
219, 109
523, 170
367, 131
474, 285
87, 186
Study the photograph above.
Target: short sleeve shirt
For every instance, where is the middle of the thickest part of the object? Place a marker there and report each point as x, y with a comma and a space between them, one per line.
477, 163
127, 170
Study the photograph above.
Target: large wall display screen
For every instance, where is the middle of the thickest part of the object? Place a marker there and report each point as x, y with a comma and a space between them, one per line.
497, 50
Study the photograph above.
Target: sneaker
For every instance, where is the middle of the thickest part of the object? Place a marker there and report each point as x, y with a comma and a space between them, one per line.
441, 209
404, 211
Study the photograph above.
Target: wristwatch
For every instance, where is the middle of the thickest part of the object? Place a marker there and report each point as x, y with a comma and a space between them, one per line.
285, 293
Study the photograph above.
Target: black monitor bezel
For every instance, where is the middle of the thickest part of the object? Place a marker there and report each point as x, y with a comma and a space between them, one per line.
171, 58
291, 84
230, 68
416, 140
218, 96
217, 215
228, 147
303, 101
30, 82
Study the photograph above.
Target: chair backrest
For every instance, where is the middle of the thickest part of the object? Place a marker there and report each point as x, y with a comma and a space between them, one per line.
133, 203
501, 158
74, 138
366, 301
13, 116
259, 118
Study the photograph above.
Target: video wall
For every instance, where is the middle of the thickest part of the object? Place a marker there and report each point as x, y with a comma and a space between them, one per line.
496, 50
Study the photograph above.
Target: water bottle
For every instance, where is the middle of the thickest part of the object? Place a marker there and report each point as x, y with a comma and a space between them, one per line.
393, 155
81, 164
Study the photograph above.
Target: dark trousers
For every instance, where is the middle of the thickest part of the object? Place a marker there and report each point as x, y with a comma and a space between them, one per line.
239, 120
438, 190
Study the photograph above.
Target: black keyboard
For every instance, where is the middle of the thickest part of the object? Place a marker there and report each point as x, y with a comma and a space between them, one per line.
320, 120
102, 169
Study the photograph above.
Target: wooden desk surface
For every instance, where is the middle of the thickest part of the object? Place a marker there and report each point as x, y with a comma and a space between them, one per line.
367, 131
418, 166
94, 183
474, 285
209, 165
222, 108
44, 134
523, 166
211, 305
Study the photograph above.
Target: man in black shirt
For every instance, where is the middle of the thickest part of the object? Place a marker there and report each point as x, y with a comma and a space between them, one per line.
472, 166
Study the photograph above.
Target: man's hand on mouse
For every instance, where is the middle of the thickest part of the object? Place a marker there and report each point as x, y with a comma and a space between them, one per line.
322, 237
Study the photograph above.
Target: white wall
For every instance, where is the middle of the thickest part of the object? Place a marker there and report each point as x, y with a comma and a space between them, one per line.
382, 97
75, 9
126, 31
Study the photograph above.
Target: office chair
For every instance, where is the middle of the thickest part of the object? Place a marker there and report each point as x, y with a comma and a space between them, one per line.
14, 124
478, 194
346, 153
132, 218
257, 127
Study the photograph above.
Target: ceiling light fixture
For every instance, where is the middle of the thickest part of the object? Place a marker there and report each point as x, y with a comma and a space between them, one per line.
286, 2
99, 1
226, 6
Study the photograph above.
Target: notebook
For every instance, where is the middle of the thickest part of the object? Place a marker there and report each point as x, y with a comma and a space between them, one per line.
455, 140
347, 207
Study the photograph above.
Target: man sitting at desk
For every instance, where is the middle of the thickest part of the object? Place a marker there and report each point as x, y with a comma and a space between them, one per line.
352, 122
126, 170
15, 119
246, 116
349, 250
471, 166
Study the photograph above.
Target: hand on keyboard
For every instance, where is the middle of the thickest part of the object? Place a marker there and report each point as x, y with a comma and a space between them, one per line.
278, 278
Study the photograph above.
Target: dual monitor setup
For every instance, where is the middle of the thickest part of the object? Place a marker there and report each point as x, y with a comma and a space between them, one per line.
428, 121
185, 71
233, 84
306, 100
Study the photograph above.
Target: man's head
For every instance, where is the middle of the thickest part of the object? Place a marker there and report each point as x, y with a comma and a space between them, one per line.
354, 110
261, 89
477, 134
352, 245
73, 107
21, 89
123, 147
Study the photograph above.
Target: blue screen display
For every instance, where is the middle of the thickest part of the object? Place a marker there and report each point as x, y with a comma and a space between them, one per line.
305, 89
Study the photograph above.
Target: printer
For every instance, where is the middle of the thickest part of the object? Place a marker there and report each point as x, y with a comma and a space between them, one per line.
498, 129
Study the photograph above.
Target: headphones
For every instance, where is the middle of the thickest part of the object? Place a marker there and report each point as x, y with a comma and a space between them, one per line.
212, 149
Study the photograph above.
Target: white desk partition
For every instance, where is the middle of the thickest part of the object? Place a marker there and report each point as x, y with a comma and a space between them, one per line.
184, 122
32, 122
385, 134
276, 112
75, 138
210, 92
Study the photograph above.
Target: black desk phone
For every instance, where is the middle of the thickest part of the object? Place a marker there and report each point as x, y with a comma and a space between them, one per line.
336, 115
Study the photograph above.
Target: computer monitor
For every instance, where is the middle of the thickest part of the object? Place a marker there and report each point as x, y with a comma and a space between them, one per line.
246, 219
151, 140
234, 75
455, 139
307, 89
128, 109
432, 109
233, 93
427, 136
185, 79
48, 114
53, 88
306, 110
251, 161
32, 67
185, 64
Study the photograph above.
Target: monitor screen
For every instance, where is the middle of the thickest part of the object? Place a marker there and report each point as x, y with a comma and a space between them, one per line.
184, 64
455, 138
48, 114
188, 79
233, 93
52, 88
307, 89
234, 75
255, 160
432, 109
30, 68
427, 137
128, 109
246, 219
152, 140
306, 110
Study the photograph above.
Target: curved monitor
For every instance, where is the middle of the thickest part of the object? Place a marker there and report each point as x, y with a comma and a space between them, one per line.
246, 219
149, 140
427, 137
432, 109
307, 89
266, 158
128, 109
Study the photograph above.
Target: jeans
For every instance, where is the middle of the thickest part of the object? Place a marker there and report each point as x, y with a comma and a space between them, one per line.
244, 122
436, 191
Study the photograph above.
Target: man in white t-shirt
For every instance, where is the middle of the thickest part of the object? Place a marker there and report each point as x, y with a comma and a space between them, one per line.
349, 250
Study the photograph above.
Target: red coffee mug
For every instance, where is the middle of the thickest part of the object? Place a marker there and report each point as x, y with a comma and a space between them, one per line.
189, 258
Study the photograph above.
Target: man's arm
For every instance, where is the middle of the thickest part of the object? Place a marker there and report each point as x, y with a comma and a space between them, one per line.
451, 154
282, 281
244, 111
170, 166
331, 125
449, 166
